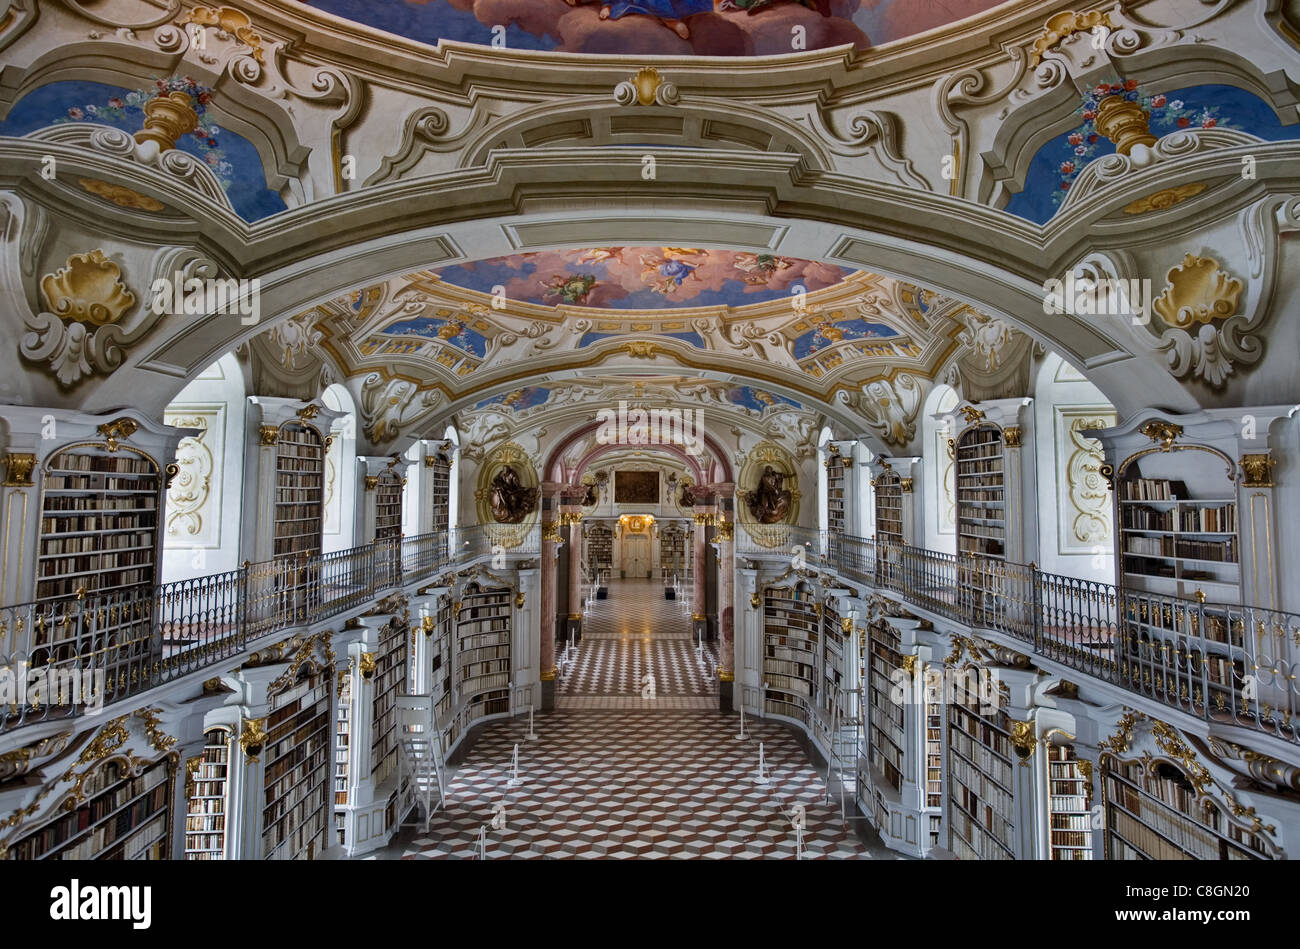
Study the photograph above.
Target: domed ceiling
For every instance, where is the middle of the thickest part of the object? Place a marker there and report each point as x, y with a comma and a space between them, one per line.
658, 27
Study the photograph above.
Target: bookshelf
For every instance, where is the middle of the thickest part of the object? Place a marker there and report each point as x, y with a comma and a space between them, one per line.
1069, 817
981, 492
834, 646
980, 777
837, 469
441, 468
933, 752
388, 505
205, 816
121, 818
885, 722
600, 548
1178, 526
99, 522
1154, 813
672, 550
296, 776
889, 507
299, 490
790, 631
483, 629
389, 681
440, 650
342, 739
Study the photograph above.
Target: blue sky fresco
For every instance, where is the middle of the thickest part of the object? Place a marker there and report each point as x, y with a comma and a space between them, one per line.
233, 158
1228, 106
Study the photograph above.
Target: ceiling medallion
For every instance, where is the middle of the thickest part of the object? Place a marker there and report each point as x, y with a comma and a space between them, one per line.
119, 195
1161, 200
647, 87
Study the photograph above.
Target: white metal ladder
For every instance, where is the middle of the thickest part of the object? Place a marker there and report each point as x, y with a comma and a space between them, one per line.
422, 752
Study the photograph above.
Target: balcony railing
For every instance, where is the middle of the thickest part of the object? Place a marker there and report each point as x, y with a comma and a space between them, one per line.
1235, 665
1223, 663
66, 658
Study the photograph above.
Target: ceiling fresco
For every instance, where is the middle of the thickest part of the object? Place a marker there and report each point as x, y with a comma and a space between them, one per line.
416, 351
644, 278
231, 158
667, 27
1057, 164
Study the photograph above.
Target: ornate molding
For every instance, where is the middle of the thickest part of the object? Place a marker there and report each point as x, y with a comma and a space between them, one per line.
1062, 26
1011, 436
1257, 470
268, 435
118, 430
229, 23
1198, 291
1162, 433
158, 739
647, 87
1162, 200
18, 469
906, 485
252, 737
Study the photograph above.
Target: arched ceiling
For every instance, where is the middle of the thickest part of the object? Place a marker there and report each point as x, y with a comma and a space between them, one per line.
664, 27
417, 351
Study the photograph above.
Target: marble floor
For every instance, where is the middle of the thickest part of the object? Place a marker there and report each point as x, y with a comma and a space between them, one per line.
633, 633
631, 785
616, 774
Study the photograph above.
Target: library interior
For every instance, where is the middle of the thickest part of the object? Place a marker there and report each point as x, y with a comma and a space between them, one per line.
751, 429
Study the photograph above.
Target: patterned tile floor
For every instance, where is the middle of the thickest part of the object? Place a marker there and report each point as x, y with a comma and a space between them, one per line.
632, 633
621, 785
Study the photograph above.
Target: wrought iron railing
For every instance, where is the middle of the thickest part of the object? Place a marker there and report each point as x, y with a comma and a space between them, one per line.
64, 658
1235, 665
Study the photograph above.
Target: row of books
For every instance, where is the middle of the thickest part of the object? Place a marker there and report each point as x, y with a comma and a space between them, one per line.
785, 668
982, 842
99, 482
1209, 520
980, 530
1152, 489
775, 706
987, 472
93, 543
784, 683
57, 503
111, 815
985, 447
789, 654
112, 464
1168, 546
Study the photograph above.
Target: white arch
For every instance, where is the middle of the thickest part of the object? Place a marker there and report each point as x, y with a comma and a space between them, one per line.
938, 506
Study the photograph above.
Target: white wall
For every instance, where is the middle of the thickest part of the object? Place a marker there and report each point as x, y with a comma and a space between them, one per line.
201, 519
1076, 534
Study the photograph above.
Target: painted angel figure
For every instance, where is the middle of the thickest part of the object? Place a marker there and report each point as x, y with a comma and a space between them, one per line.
665, 274
571, 289
671, 13
753, 6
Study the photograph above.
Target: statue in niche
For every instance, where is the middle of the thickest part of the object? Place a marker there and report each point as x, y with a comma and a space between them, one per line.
592, 496
688, 495
511, 501
770, 501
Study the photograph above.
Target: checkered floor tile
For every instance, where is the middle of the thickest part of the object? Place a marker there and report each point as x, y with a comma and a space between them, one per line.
631, 785
632, 634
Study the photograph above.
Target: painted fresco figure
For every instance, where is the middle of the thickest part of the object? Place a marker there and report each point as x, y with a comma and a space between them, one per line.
753, 6
670, 13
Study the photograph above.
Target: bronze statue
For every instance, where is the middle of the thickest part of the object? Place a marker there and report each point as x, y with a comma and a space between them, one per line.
770, 501
592, 495
688, 495
511, 501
